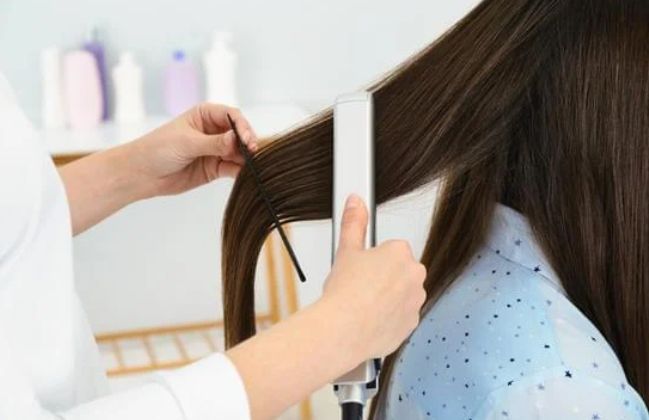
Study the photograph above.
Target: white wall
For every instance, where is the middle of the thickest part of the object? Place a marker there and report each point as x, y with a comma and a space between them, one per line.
157, 262
302, 51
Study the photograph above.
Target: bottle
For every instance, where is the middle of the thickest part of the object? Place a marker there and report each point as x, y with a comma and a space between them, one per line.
82, 87
220, 64
129, 93
181, 90
96, 48
53, 109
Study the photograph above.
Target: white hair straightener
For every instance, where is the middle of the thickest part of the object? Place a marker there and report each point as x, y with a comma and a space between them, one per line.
353, 173
353, 162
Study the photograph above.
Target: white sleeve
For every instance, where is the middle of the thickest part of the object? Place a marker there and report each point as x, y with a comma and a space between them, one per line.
210, 389
567, 395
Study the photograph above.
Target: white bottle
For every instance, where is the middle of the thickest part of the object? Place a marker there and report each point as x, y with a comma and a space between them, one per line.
220, 70
129, 92
53, 108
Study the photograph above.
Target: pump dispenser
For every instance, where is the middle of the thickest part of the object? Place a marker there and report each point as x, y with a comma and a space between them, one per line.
53, 109
129, 93
220, 64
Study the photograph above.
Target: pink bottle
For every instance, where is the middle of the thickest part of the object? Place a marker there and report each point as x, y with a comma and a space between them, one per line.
82, 87
181, 89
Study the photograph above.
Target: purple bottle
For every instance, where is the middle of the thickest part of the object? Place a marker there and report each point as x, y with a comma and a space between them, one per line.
181, 88
94, 47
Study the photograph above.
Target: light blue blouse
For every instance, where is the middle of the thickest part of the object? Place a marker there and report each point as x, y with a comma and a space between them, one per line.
504, 342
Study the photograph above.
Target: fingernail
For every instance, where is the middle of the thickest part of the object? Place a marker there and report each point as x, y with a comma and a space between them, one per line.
353, 201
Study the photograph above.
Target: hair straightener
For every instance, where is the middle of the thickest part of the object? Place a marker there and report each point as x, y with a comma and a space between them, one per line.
353, 157
353, 173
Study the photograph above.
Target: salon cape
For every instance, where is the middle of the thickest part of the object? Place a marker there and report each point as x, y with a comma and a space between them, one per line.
49, 363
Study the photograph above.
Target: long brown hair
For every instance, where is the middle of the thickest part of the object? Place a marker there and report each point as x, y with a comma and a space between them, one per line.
542, 105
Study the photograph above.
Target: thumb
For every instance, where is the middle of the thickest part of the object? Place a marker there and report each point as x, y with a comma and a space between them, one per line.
353, 226
219, 145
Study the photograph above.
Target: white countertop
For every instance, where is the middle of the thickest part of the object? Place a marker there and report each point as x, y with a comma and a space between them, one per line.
265, 119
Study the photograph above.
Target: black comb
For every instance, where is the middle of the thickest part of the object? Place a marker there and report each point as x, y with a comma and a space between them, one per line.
264, 195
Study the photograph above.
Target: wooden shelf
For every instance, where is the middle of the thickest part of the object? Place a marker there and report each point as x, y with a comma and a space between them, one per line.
145, 350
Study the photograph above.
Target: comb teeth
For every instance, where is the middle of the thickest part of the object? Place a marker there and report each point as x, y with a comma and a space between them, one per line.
264, 195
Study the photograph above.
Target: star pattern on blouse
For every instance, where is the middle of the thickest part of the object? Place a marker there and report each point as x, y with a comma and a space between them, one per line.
472, 351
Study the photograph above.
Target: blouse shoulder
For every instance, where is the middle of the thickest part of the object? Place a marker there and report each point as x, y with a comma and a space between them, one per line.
562, 394
500, 326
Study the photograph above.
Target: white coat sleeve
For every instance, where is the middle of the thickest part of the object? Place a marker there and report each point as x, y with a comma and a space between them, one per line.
209, 389
567, 395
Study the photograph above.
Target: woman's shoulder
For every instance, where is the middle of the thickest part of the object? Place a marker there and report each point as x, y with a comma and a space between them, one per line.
562, 393
523, 317
499, 325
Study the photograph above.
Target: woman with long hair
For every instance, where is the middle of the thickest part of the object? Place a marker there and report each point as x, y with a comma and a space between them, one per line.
534, 115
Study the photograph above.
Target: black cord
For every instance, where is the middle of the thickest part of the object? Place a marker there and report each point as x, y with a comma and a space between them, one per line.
352, 411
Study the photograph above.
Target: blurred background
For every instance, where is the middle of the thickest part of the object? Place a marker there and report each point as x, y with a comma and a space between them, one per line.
297, 51
153, 270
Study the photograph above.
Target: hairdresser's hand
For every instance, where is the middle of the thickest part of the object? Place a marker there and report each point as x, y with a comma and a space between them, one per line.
370, 305
380, 290
193, 149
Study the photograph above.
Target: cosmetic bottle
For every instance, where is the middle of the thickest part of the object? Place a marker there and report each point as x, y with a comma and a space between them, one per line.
220, 63
82, 90
181, 90
96, 48
52, 107
129, 92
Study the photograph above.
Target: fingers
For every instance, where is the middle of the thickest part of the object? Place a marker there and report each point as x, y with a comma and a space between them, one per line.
212, 168
354, 224
399, 247
219, 138
228, 169
224, 146
214, 145
242, 125
214, 119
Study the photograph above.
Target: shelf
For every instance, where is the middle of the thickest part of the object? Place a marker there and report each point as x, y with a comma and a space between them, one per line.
131, 353
66, 144
146, 350
141, 350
